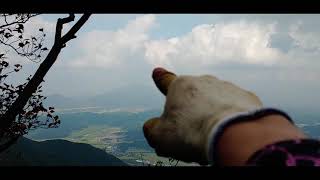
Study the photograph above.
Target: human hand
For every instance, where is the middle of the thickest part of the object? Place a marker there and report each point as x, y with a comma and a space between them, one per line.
194, 106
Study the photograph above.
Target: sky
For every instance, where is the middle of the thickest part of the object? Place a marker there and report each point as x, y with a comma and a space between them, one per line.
275, 56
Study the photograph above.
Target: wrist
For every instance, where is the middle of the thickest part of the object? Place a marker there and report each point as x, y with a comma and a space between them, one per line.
245, 118
241, 140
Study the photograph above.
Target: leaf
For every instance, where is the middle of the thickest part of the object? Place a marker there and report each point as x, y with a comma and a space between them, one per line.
4, 76
17, 65
1, 55
20, 44
41, 29
5, 64
56, 117
20, 36
43, 109
7, 35
44, 49
20, 26
19, 31
49, 115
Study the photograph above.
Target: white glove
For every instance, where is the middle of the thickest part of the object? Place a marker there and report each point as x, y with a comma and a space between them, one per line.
197, 109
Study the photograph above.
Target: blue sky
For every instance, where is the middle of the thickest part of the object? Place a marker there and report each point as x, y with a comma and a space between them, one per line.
275, 56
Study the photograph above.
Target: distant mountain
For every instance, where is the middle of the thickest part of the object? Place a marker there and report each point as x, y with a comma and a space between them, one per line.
60, 101
131, 96
27, 152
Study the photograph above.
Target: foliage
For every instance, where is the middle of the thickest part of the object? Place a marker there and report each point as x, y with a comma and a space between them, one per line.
12, 37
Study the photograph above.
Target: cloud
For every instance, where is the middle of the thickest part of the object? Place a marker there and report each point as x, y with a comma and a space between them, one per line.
251, 42
109, 49
274, 56
306, 40
205, 45
208, 44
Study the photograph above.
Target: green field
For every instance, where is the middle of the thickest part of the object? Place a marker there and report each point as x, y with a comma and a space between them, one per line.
117, 133
109, 138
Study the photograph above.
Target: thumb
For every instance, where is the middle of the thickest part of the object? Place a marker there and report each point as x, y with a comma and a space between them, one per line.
149, 129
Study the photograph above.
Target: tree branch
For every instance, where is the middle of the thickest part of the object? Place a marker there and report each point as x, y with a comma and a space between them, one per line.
59, 26
71, 33
10, 45
24, 53
18, 105
16, 22
5, 19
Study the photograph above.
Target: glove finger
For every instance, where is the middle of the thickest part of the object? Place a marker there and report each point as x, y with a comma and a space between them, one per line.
163, 78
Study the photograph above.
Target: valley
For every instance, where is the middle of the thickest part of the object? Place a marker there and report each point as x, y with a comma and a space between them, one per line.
117, 132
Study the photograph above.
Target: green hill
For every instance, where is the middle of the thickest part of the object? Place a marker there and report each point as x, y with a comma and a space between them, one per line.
27, 152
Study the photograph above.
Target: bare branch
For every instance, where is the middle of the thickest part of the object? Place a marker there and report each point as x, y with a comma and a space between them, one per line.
10, 45
23, 53
60, 23
5, 19
18, 21
19, 103
71, 33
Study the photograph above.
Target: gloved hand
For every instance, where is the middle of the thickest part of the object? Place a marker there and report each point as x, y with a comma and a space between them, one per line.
196, 107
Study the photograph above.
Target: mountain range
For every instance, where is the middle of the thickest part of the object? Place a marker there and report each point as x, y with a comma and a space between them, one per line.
58, 152
132, 96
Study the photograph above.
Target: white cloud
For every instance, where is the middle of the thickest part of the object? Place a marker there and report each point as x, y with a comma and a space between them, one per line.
303, 39
198, 51
108, 49
206, 44
242, 51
